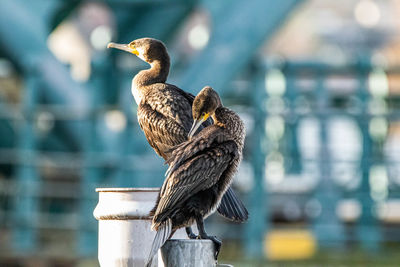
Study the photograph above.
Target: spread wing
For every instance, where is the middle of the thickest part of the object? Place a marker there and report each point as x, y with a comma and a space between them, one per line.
196, 172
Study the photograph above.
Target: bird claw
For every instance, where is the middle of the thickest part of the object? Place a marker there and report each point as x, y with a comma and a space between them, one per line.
193, 236
217, 244
190, 233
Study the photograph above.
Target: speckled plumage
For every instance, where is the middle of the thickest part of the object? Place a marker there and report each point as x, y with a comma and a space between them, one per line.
163, 109
161, 117
204, 165
165, 112
201, 170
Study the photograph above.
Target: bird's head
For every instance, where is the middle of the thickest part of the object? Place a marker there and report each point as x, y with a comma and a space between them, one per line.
204, 106
147, 49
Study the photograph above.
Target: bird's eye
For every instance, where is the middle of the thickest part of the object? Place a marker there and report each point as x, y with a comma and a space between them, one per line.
132, 46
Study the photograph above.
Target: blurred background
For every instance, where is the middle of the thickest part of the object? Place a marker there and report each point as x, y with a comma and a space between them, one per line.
317, 83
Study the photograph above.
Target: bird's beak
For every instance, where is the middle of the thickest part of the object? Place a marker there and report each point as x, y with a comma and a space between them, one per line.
196, 124
125, 47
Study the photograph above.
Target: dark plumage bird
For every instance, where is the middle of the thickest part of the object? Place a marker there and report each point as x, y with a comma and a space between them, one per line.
165, 111
201, 170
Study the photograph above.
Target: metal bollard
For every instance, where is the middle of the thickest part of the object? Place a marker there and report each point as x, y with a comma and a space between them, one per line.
187, 253
125, 236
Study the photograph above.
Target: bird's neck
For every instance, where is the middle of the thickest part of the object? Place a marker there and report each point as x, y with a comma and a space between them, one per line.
223, 116
231, 122
157, 73
142, 81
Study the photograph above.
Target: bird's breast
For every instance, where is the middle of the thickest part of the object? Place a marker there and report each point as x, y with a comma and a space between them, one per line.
136, 93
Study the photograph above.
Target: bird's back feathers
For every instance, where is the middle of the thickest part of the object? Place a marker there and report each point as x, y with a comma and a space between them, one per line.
194, 168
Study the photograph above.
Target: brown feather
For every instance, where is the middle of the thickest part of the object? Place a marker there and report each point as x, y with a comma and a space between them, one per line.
201, 170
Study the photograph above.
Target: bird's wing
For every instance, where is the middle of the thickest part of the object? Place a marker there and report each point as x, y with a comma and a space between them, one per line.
203, 140
165, 117
189, 98
196, 173
173, 103
161, 132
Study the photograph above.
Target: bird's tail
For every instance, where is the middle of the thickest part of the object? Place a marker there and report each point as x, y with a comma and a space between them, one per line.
232, 208
163, 233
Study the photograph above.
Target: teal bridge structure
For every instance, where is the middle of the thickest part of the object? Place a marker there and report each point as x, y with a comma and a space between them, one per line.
56, 146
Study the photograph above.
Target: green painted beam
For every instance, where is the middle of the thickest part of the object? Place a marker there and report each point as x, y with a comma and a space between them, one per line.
258, 223
239, 29
327, 227
23, 37
368, 230
155, 21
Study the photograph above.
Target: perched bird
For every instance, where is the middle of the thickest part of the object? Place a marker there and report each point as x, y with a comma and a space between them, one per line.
200, 171
165, 111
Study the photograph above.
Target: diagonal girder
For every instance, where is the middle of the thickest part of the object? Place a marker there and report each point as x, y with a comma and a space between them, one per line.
157, 22
239, 29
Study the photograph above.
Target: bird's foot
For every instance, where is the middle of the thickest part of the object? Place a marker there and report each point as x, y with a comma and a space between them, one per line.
192, 236
190, 233
216, 241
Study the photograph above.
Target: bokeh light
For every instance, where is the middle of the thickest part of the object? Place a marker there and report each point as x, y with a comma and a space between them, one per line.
198, 36
367, 13
100, 37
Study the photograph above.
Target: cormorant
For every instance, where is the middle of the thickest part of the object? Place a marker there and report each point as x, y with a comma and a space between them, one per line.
165, 111
201, 170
